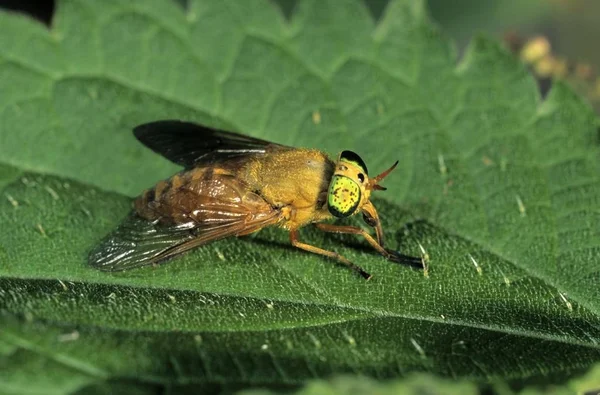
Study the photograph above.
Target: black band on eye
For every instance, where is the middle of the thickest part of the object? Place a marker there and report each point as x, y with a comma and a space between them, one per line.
354, 158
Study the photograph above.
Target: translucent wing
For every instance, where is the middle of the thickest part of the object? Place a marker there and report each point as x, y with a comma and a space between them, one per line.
190, 145
200, 212
138, 242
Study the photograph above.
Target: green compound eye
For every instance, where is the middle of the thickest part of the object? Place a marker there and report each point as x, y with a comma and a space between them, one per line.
343, 196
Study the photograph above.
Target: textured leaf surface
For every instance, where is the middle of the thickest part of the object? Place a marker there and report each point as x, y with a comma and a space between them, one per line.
501, 189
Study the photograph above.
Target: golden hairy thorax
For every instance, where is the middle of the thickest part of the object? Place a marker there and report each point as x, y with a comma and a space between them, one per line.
296, 180
293, 183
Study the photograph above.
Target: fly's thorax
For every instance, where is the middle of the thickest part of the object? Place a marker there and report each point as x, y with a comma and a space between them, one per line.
348, 190
297, 177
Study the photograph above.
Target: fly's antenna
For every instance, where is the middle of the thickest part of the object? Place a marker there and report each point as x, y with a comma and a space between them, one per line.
373, 183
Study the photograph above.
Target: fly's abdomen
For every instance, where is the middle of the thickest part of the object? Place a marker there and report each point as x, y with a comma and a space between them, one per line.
187, 211
200, 196
151, 203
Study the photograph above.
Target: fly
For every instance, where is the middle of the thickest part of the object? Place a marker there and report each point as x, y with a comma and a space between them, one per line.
235, 185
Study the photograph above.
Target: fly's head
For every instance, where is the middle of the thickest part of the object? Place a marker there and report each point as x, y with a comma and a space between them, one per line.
350, 187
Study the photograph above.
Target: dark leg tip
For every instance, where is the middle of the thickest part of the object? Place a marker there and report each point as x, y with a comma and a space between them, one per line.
402, 259
364, 275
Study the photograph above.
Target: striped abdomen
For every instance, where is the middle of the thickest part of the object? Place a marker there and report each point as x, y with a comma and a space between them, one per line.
201, 195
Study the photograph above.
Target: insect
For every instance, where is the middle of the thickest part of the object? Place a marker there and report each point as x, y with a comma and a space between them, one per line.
234, 185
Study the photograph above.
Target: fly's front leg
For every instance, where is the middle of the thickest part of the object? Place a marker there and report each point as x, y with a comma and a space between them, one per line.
371, 217
391, 255
375, 223
330, 254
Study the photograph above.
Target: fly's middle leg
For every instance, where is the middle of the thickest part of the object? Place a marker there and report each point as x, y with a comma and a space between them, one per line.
330, 254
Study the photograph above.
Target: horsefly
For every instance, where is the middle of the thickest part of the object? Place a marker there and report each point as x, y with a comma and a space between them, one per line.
235, 185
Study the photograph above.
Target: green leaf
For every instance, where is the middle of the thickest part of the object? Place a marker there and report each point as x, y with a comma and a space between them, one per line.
421, 383
414, 384
500, 188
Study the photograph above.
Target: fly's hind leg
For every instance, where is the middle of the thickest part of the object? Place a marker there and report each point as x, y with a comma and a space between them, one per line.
330, 254
391, 255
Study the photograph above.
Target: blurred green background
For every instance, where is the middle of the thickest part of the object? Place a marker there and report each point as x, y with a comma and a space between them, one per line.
572, 28
571, 25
